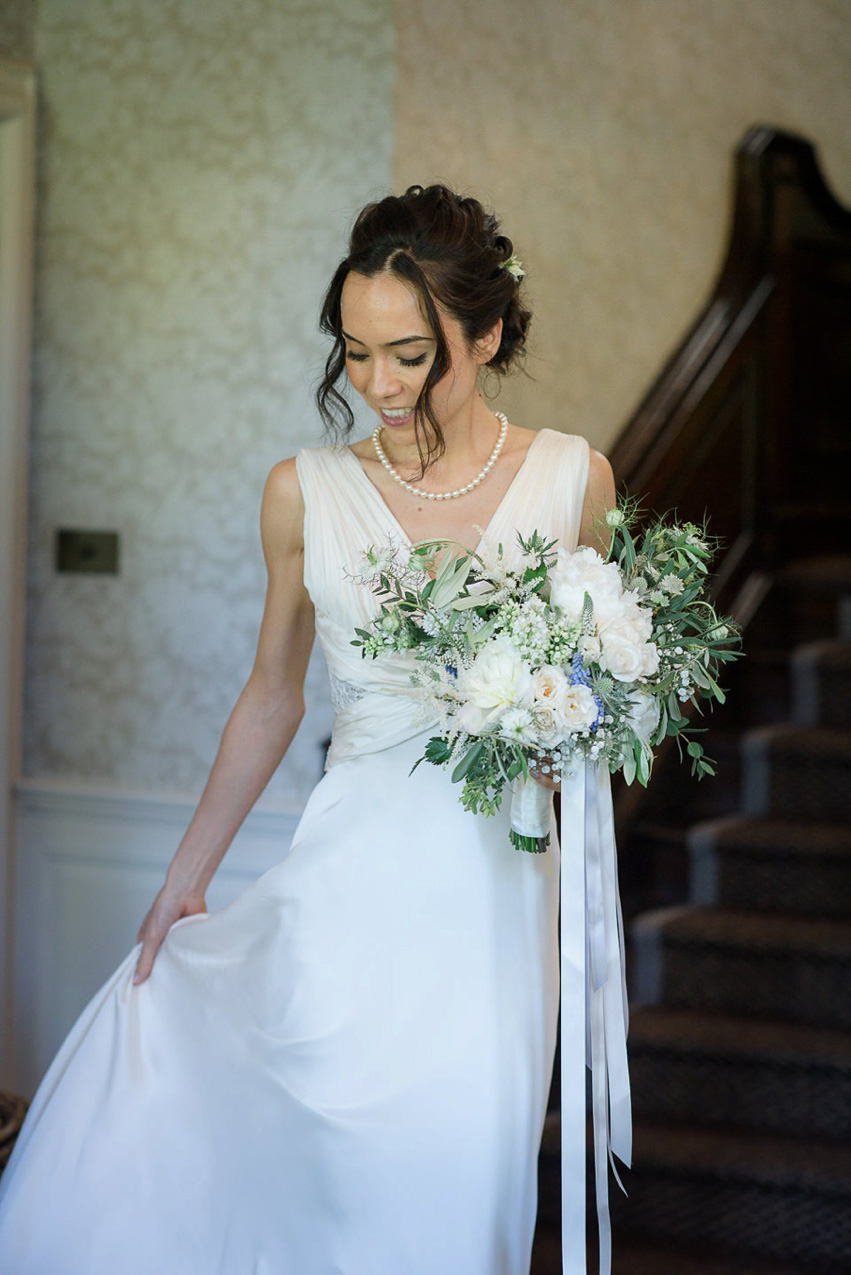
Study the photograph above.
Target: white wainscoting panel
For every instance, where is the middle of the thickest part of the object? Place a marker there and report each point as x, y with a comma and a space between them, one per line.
88, 866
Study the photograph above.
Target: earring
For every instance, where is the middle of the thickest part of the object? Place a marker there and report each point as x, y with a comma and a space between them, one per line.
490, 383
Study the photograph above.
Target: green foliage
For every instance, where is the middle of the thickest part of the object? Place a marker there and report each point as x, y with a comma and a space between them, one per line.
444, 605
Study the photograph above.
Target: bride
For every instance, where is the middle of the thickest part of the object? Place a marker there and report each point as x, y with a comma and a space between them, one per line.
344, 1072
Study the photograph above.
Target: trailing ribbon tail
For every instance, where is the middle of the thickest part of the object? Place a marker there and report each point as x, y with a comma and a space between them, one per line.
593, 992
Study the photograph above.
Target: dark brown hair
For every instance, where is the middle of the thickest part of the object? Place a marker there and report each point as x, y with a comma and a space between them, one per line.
447, 248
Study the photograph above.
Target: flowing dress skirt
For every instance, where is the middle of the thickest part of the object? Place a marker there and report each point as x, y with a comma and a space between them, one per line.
344, 1072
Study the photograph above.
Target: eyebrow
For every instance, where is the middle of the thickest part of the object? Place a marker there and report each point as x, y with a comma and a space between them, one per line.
403, 340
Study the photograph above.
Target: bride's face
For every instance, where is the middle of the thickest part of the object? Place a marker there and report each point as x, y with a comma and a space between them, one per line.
390, 348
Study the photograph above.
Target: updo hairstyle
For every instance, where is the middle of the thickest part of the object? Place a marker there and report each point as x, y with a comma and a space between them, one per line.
448, 249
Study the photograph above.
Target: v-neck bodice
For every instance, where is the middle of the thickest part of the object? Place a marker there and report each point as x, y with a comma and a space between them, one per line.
345, 514
400, 530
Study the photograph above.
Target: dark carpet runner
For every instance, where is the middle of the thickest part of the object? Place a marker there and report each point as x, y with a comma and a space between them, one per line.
740, 1046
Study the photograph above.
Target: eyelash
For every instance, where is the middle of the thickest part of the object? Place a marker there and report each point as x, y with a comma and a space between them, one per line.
361, 358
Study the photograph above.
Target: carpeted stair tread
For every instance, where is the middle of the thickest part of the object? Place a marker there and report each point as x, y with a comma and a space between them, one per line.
777, 837
778, 865
770, 1195
819, 741
634, 1255
739, 1037
807, 602
770, 965
821, 681
822, 573
751, 1073
740, 1045
828, 938
797, 771
830, 653
769, 1159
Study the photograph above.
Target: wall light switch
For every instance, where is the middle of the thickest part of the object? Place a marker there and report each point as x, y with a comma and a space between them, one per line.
81, 552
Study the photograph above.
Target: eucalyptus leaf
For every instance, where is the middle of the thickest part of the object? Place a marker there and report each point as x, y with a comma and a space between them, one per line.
468, 761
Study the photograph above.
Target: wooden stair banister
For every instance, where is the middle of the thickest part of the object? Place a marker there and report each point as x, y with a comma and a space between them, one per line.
747, 421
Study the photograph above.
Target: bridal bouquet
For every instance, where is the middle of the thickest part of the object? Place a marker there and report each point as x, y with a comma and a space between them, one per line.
554, 659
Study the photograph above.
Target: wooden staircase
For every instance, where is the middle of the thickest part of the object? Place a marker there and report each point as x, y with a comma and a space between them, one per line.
741, 1061
740, 1047
737, 891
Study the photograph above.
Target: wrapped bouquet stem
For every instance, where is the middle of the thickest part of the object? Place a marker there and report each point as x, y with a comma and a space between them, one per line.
530, 814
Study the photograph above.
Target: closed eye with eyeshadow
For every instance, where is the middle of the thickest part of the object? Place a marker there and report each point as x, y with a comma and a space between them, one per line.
356, 357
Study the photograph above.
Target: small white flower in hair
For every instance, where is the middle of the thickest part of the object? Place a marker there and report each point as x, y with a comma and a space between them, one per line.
514, 266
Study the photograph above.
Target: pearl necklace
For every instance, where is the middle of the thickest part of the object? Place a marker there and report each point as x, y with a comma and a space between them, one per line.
444, 495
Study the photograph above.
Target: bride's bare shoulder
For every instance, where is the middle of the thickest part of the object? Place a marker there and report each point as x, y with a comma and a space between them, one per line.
282, 483
282, 512
363, 449
519, 439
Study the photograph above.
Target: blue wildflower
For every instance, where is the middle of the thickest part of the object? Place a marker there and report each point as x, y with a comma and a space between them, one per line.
579, 675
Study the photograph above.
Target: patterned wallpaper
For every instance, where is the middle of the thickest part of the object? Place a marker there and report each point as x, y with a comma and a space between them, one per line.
200, 163
17, 29
602, 131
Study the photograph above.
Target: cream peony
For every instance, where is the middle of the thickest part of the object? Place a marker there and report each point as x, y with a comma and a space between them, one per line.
581, 572
472, 719
496, 680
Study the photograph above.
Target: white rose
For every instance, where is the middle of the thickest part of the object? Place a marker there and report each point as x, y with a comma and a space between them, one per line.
581, 572
550, 726
621, 655
497, 679
628, 653
547, 686
643, 715
578, 708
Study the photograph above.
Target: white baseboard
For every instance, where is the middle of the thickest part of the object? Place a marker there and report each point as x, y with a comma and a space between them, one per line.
89, 863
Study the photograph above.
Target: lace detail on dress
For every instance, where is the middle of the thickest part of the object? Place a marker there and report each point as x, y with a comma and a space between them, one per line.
344, 693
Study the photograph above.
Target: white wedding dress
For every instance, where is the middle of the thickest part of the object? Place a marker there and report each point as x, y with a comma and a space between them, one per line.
344, 1072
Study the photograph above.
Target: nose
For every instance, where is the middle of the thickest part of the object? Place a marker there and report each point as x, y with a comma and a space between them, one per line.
384, 380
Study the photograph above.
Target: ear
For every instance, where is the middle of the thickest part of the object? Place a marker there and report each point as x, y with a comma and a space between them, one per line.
487, 345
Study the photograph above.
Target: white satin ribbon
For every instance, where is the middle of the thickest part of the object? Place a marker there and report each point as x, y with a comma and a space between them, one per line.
593, 992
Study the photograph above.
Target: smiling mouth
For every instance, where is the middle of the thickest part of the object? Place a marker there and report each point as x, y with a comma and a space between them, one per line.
395, 414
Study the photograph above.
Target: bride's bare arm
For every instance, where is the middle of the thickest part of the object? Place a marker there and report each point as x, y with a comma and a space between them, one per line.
599, 498
261, 726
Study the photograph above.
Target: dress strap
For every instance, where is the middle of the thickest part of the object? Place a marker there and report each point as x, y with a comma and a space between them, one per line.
553, 496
